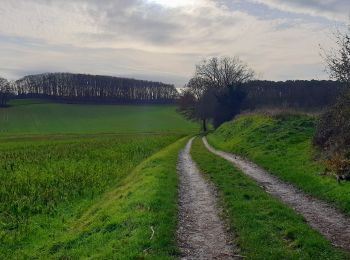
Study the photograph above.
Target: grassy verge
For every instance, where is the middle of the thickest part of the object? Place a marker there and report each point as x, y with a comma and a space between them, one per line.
282, 145
265, 228
48, 185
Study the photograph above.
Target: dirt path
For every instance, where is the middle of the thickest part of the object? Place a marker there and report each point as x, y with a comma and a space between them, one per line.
334, 225
201, 234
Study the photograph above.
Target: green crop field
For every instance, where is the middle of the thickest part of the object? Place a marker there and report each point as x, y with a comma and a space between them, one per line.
88, 180
40, 117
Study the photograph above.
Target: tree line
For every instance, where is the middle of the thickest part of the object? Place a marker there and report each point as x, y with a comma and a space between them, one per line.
298, 94
250, 94
87, 88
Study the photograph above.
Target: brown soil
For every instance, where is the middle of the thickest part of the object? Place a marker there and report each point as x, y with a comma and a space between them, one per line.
201, 233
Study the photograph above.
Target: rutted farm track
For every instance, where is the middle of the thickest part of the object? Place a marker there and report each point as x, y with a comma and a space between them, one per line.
201, 233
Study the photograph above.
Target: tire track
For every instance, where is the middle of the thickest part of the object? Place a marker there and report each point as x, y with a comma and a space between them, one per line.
201, 234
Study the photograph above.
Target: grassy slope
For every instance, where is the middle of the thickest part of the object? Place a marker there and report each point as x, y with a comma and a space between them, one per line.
46, 182
282, 145
265, 228
119, 225
38, 117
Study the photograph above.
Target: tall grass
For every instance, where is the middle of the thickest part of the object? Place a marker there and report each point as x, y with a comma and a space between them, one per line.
42, 177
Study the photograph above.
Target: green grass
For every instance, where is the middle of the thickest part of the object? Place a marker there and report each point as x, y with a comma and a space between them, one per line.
264, 227
41, 117
282, 145
119, 225
49, 184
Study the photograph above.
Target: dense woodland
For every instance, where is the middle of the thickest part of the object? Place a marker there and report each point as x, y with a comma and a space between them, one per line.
301, 94
91, 88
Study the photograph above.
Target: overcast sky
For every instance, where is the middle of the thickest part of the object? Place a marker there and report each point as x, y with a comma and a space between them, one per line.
163, 39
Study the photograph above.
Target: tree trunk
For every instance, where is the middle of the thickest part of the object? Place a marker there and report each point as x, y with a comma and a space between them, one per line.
2, 100
204, 125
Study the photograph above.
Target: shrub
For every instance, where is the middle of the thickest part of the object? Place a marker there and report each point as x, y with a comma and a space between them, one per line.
333, 130
332, 136
339, 165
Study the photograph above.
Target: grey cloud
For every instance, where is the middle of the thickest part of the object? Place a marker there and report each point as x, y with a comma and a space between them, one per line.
143, 21
332, 9
41, 57
338, 6
134, 19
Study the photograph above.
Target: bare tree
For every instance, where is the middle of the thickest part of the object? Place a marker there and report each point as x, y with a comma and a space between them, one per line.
5, 91
338, 59
197, 86
214, 77
333, 130
223, 72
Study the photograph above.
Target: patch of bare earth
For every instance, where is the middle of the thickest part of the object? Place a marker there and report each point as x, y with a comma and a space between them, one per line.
334, 225
201, 233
